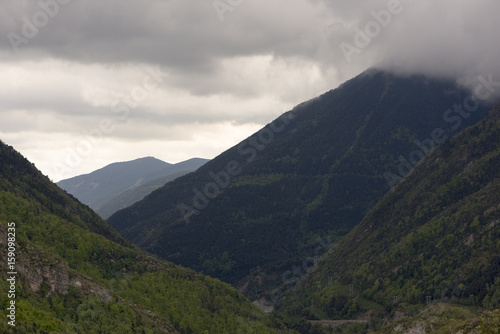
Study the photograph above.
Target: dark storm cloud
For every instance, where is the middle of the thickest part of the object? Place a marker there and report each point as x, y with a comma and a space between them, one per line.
445, 37
185, 38
451, 38
66, 62
180, 34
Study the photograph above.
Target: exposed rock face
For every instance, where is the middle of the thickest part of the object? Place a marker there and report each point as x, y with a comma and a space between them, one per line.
50, 275
55, 276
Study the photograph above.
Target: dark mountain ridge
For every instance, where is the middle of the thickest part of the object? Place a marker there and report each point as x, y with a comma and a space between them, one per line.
260, 207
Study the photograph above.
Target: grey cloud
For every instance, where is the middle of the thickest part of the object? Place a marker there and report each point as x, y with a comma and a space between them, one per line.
214, 74
186, 38
446, 36
173, 33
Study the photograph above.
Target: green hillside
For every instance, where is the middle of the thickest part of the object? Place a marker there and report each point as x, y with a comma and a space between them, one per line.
296, 186
434, 239
75, 274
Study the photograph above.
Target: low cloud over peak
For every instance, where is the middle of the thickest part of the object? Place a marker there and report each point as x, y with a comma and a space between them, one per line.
231, 65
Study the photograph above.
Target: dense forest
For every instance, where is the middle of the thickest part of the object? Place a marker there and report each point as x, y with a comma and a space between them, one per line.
310, 175
435, 239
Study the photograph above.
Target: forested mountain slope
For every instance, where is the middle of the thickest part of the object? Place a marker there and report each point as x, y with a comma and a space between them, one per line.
70, 272
435, 239
262, 206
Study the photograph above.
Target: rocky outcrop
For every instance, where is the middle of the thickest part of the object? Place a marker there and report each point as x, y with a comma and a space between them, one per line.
50, 274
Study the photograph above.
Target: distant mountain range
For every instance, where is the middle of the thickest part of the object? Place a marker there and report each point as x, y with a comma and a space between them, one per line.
434, 240
300, 183
121, 184
70, 272
132, 195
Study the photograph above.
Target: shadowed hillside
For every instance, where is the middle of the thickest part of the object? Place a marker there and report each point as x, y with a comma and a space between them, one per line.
288, 191
434, 239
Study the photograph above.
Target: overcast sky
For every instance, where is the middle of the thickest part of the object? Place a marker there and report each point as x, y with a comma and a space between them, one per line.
86, 83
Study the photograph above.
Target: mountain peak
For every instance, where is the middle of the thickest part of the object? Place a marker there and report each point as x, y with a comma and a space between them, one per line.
311, 174
97, 188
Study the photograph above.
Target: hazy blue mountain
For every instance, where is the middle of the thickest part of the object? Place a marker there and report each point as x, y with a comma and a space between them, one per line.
102, 185
132, 195
261, 207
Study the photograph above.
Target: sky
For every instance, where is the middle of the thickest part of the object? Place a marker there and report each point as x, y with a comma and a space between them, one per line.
88, 83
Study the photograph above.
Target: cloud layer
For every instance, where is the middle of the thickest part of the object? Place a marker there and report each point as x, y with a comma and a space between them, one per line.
228, 67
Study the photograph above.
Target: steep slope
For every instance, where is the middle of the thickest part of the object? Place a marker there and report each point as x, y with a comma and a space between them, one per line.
313, 173
435, 238
67, 271
104, 184
133, 195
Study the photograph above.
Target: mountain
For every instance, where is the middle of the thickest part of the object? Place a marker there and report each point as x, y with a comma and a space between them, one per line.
103, 185
132, 195
434, 239
300, 183
67, 271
